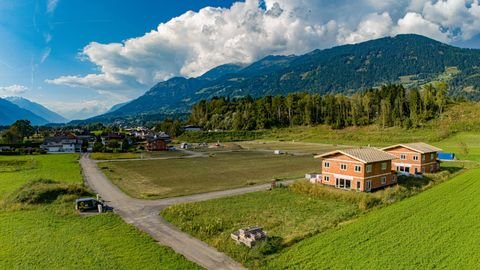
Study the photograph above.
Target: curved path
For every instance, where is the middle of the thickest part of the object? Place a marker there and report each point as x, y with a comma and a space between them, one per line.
144, 214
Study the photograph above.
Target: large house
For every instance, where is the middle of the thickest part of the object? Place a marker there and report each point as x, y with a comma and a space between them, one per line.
364, 169
63, 143
414, 158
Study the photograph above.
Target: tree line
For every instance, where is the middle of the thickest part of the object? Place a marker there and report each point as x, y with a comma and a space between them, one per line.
387, 106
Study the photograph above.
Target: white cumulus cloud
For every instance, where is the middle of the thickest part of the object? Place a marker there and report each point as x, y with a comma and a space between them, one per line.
12, 90
195, 42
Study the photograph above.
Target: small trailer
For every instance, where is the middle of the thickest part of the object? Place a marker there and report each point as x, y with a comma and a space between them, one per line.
446, 156
249, 236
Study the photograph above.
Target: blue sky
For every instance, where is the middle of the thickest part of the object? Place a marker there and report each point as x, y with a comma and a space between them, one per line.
40, 44
81, 57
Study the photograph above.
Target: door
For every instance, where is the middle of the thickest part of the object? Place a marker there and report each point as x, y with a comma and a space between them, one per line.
368, 185
358, 185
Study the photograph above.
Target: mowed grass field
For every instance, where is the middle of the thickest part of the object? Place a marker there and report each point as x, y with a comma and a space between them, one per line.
439, 228
287, 217
219, 171
291, 147
466, 145
130, 155
55, 236
15, 171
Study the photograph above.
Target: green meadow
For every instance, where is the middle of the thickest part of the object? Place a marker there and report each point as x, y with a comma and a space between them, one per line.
52, 235
438, 228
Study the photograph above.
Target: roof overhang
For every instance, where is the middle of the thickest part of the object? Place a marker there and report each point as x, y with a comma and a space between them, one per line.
412, 148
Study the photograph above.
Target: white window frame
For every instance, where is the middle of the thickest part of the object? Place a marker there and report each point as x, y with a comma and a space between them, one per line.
423, 157
383, 180
326, 164
403, 156
415, 158
369, 168
384, 166
358, 168
432, 156
326, 178
343, 167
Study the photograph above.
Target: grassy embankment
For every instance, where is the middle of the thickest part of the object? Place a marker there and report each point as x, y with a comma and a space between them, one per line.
218, 171
436, 229
39, 228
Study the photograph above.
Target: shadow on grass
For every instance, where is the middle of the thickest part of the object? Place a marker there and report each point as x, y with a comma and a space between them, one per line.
418, 182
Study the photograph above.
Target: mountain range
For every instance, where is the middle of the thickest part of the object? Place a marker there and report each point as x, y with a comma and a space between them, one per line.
412, 60
17, 108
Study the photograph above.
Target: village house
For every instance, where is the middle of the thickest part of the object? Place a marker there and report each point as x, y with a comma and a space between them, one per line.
63, 143
414, 158
157, 142
363, 169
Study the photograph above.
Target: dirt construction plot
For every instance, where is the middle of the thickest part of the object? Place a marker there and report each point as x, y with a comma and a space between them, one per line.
217, 171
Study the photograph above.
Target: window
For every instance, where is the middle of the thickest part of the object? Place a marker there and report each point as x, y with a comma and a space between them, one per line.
384, 166
423, 157
432, 156
368, 185
343, 167
394, 179
383, 180
369, 168
358, 168
432, 168
403, 157
415, 157
326, 178
423, 170
326, 164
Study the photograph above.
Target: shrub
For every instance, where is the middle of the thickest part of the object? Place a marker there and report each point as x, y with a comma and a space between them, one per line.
45, 191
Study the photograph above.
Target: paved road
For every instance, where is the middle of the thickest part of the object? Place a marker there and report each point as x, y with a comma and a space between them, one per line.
144, 214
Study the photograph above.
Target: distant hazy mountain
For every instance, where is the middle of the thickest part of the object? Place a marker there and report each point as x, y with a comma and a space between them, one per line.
116, 107
408, 59
50, 116
9, 113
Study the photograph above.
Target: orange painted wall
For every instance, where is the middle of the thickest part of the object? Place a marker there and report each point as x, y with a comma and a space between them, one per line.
374, 176
426, 161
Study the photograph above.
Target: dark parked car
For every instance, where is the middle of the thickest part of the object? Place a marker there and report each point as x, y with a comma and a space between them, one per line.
89, 204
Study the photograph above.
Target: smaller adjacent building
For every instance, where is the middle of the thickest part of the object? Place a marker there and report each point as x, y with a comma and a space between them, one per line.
414, 158
364, 169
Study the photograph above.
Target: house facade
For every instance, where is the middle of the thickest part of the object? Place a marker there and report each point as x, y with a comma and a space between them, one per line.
64, 143
157, 143
414, 158
364, 169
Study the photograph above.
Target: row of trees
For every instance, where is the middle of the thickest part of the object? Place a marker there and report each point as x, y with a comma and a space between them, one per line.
17, 132
391, 105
